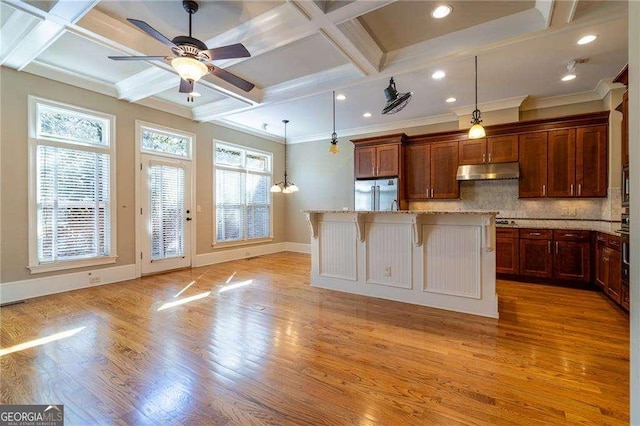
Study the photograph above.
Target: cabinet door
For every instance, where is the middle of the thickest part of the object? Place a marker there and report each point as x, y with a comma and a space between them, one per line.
614, 286
561, 171
502, 149
507, 258
473, 151
571, 261
365, 159
444, 166
418, 171
591, 161
602, 269
532, 152
387, 159
536, 258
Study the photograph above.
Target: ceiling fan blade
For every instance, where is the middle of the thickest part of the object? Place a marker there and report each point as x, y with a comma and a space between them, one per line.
186, 86
139, 58
229, 52
231, 78
151, 31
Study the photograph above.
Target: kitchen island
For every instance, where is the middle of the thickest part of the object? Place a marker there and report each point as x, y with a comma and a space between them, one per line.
444, 260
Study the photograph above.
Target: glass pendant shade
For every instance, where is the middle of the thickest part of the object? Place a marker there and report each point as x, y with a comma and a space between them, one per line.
276, 188
333, 147
477, 131
189, 69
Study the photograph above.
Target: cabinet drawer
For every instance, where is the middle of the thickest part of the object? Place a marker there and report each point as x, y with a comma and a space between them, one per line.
613, 241
601, 238
570, 235
507, 233
536, 234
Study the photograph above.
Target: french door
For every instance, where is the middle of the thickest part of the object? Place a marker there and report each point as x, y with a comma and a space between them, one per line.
166, 213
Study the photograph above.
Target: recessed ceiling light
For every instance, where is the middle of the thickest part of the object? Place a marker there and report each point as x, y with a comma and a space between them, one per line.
438, 75
195, 94
587, 39
568, 77
450, 100
341, 97
366, 115
441, 11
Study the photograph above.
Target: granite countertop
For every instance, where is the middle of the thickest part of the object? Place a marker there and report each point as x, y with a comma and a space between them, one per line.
405, 212
606, 227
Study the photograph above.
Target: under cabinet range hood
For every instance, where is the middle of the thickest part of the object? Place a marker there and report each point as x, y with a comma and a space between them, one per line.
491, 171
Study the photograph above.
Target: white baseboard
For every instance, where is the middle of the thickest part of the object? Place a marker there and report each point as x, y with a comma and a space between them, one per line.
36, 287
298, 247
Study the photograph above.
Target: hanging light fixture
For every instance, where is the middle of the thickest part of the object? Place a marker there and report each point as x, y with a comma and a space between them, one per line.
476, 131
334, 148
395, 101
285, 186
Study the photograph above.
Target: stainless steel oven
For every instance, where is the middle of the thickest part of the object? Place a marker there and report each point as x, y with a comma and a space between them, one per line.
624, 222
624, 238
625, 186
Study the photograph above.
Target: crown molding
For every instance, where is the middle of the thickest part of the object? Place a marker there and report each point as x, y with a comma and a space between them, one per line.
490, 106
601, 90
248, 130
379, 128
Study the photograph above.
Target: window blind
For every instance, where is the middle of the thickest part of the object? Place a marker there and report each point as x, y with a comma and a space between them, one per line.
166, 199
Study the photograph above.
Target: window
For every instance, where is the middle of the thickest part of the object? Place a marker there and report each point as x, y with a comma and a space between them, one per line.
71, 215
243, 200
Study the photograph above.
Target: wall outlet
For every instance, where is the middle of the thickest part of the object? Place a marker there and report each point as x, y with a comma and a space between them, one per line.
387, 271
93, 278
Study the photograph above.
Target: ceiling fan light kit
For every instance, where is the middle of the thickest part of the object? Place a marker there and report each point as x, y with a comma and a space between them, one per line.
395, 101
191, 55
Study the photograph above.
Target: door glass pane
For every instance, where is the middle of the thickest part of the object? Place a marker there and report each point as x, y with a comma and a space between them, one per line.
166, 143
167, 213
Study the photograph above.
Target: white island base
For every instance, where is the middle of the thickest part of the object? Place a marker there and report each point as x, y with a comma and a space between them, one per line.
444, 260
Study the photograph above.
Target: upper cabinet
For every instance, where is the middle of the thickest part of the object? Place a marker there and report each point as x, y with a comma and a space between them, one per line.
496, 149
566, 163
431, 171
378, 157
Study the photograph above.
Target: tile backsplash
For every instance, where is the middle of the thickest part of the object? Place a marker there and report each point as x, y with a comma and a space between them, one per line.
502, 196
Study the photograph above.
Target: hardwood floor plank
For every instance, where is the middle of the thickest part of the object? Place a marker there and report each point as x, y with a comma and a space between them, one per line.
255, 344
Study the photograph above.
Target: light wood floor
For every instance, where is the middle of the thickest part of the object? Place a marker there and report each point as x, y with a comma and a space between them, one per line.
274, 350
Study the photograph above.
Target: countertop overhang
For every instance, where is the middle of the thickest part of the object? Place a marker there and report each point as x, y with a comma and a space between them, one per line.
492, 213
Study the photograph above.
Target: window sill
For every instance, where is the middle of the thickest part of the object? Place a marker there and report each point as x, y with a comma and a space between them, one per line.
241, 243
71, 264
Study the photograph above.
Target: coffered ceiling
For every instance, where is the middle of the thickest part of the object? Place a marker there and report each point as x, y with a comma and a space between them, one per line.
302, 50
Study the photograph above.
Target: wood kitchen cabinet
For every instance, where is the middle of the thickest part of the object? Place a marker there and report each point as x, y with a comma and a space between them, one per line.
609, 266
431, 171
377, 161
536, 257
591, 162
378, 156
533, 165
561, 163
496, 149
572, 255
507, 251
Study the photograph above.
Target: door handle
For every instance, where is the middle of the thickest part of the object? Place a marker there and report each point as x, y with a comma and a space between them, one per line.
579, 189
431, 192
544, 190
188, 219
556, 247
571, 189
549, 246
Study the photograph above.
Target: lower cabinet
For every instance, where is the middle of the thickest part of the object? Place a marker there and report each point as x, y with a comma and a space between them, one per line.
572, 255
536, 258
609, 267
507, 251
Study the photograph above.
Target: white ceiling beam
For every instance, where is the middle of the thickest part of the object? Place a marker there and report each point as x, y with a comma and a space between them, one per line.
15, 29
545, 7
356, 9
45, 33
146, 83
572, 12
213, 110
332, 33
273, 29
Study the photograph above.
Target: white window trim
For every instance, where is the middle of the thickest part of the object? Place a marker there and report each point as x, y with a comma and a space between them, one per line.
34, 266
245, 241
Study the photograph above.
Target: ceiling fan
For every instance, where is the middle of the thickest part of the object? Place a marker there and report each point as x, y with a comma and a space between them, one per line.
192, 55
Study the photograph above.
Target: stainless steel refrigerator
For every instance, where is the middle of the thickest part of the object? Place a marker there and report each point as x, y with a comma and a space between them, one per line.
376, 194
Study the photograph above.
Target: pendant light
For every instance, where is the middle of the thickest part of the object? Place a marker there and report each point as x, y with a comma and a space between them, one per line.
476, 131
285, 186
395, 101
334, 148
